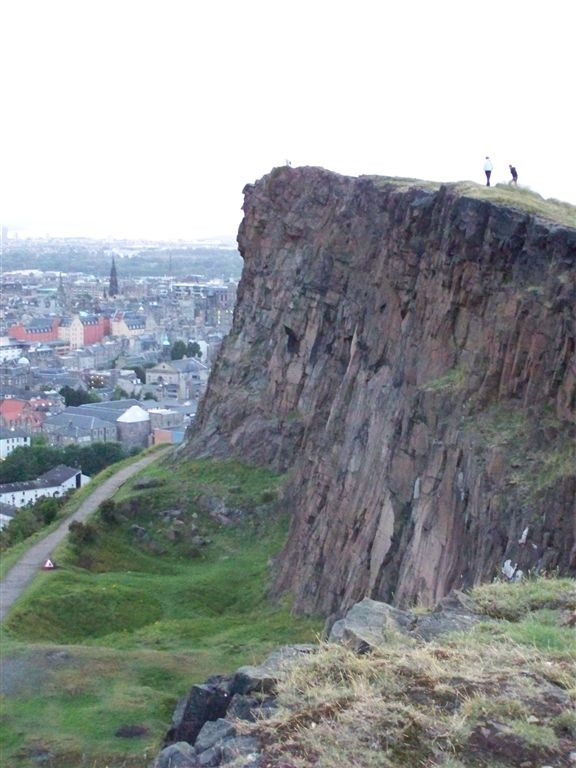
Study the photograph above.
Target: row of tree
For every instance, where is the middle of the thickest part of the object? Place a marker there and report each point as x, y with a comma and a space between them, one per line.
28, 462
181, 349
30, 519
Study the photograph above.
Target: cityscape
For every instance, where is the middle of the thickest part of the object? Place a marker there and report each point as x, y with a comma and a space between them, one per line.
113, 355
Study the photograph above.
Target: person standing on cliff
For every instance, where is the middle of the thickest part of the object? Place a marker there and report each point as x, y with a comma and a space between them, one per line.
514, 173
488, 169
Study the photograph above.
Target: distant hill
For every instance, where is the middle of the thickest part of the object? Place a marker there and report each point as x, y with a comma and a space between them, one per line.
132, 259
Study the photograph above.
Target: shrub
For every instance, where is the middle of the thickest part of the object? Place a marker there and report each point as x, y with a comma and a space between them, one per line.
108, 512
81, 534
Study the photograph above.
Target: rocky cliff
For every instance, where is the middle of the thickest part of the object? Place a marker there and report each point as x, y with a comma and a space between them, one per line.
406, 351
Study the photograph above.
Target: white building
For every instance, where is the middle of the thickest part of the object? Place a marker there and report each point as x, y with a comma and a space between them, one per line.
55, 482
10, 439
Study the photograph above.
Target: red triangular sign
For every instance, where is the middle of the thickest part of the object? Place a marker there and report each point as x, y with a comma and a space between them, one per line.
48, 565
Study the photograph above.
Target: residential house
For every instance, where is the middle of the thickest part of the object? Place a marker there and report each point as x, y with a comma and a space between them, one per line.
55, 482
68, 428
11, 439
84, 329
20, 414
15, 374
131, 325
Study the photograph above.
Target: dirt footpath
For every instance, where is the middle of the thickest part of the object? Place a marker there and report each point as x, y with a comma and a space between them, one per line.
23, 571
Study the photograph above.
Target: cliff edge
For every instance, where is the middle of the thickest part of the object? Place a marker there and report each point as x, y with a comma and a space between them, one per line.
407, 351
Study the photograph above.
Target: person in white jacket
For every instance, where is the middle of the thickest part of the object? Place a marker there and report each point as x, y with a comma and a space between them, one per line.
488, 169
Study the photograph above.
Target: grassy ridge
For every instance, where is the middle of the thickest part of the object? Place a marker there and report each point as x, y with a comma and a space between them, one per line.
138, 612
519, 198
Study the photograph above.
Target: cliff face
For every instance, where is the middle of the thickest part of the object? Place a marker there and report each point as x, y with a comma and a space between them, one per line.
408, 354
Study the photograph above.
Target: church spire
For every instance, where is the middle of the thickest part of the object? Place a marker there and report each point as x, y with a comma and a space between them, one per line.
113, 285
61, 295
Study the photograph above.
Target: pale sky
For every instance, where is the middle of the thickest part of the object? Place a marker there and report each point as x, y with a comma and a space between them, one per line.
145, 118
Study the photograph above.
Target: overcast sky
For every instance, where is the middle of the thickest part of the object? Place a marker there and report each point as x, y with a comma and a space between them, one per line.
145, 118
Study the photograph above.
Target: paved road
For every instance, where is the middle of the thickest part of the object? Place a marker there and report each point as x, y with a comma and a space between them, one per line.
24, 570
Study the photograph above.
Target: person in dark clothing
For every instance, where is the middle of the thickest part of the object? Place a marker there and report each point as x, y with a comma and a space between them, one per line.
514, 173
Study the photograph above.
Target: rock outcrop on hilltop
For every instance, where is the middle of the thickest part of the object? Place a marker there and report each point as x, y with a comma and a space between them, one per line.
407, 353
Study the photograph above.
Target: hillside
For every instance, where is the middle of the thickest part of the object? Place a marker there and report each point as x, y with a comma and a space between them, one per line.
160, 588
407, 351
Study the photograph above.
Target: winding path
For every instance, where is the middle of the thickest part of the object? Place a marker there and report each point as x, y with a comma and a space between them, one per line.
24, 570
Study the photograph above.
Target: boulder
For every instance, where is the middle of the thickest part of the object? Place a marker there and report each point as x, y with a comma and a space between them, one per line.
240, 746
179, 755
454, 613
251, 708
213, 732
147, 482
366, 623
430, 626
210, 757
171, 514
263, 678
203, 703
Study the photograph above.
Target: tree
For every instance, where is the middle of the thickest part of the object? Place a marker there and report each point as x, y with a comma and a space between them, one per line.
79, 396
27, 463
119, 394
108, 512
29, 520
193, 349
81, 534
92, 458
140, 373
178, 350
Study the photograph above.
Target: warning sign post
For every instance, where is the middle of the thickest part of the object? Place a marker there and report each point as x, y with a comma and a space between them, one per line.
49, 565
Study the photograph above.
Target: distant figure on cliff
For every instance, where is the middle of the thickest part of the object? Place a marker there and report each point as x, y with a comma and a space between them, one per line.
488, 169
514, 172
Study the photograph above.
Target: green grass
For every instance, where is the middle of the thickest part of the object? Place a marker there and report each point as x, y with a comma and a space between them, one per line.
11, 555
525, 614
450, 381
539, 451
520, 198
144, 620
555, 465
514, 601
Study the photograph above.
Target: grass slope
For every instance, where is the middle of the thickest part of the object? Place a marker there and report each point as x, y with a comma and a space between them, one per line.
139, 610
519, 198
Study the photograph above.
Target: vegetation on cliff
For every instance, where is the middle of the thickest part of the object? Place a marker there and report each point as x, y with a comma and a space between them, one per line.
510, 196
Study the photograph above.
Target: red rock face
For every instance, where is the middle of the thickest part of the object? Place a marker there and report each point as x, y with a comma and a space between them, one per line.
408, 355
